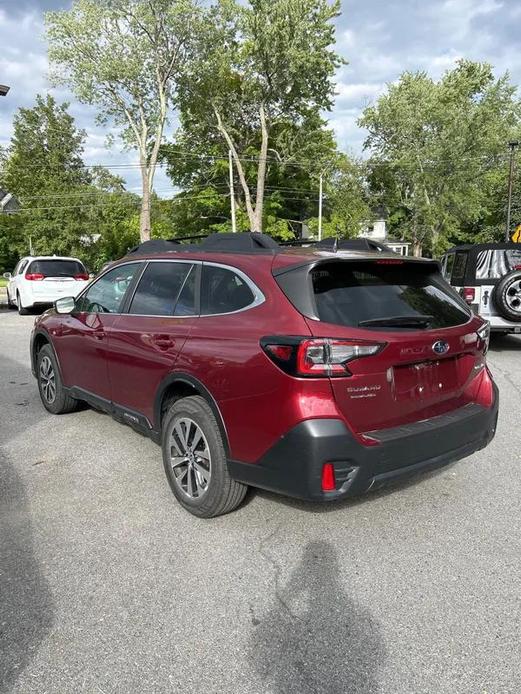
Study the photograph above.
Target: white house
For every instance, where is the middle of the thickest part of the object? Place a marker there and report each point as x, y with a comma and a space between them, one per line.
377, 231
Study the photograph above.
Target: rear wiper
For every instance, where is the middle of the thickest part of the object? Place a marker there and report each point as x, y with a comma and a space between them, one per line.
398, 321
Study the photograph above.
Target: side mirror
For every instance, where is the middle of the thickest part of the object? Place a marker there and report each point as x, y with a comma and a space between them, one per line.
65, 305
7, 275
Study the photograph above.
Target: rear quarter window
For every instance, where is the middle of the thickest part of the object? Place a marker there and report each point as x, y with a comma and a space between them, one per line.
223, 291
352, 293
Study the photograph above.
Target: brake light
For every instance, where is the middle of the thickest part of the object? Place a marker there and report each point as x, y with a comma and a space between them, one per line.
34, 276
328, 478
318, 356
390, 261
469, 294
81, 276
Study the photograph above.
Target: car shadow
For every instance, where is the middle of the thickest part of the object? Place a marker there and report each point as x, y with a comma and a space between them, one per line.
26, 603
502, 343
316, 638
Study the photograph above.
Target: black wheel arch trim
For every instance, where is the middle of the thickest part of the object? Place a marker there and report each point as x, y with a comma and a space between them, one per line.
202, 390
48, 340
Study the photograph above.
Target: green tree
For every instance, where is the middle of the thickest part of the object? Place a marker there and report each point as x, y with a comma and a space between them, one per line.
44, 170
66, 208
125, 57
261, 70
436, 146
347, 200
291, 187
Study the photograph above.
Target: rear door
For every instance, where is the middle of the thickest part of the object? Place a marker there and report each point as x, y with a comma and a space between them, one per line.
428, 346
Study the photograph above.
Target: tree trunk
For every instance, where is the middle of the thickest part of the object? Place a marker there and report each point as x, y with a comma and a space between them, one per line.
261, 172
144, 218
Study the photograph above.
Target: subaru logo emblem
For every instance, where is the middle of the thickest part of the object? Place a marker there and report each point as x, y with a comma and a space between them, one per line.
440, 347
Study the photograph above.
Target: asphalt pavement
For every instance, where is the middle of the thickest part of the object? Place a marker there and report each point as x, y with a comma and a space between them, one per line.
107, 585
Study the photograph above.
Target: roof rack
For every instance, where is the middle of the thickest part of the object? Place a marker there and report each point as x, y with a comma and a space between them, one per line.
252, 242
245, 242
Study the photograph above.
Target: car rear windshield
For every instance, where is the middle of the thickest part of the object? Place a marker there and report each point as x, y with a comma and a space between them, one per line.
374, 295
57, 268
493, 264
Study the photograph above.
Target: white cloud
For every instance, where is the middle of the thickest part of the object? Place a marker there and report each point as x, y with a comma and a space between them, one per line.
361, 92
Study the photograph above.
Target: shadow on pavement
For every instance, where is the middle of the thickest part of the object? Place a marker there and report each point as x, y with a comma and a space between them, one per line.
504, 343
26, 605
316, 639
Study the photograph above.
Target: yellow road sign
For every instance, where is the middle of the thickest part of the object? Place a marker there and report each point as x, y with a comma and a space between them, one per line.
516, 236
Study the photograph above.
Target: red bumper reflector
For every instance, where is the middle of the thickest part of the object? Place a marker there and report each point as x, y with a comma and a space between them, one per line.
328, 478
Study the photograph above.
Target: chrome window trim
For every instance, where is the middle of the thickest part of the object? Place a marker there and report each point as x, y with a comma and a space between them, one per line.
259, 297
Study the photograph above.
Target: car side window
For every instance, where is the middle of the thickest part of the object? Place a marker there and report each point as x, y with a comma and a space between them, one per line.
459, 268
223, 291
106, 294
159, 290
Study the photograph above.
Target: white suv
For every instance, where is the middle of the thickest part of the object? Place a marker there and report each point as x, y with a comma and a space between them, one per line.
39, 281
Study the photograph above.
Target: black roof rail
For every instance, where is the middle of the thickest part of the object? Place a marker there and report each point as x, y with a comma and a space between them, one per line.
246, 241
251, 242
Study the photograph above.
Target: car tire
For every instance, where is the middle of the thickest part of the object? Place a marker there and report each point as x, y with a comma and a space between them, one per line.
54, 397
198, 474
21, 310
10, 305
507, 296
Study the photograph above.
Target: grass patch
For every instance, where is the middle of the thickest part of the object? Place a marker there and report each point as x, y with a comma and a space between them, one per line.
3, 282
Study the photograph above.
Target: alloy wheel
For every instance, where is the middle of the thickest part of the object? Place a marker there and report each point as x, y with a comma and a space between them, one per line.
48, 380
190, 458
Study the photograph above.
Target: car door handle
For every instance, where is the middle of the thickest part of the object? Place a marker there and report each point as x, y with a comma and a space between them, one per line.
164, 343
98, 334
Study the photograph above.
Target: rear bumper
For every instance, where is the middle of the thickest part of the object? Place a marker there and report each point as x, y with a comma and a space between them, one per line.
293, 466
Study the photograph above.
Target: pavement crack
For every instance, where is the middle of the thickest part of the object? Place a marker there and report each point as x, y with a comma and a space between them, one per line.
262, 549
508, 378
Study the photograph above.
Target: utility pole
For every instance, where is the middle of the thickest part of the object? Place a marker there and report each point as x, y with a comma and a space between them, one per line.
232, 192
320, 210
512, 144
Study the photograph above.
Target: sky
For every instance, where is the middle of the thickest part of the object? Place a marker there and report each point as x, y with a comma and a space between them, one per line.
379, 39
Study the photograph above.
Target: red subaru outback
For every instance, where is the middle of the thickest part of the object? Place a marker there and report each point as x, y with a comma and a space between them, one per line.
315, 372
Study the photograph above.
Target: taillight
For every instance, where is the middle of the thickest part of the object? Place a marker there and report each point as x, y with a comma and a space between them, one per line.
35, 276
82, 276
317, 356
469, 294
